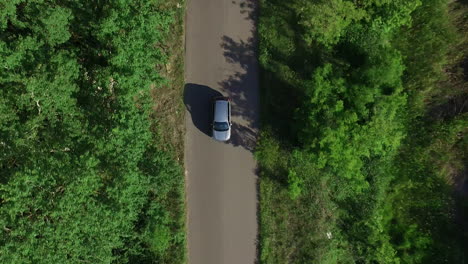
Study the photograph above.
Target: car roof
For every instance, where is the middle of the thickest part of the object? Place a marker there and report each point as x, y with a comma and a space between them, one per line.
221, 110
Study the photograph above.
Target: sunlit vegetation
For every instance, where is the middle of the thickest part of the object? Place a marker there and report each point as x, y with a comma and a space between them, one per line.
364, 147
83, 175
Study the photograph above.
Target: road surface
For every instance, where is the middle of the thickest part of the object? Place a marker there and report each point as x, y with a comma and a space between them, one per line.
221, 177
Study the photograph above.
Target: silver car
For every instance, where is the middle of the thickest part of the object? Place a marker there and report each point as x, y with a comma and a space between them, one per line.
221, 125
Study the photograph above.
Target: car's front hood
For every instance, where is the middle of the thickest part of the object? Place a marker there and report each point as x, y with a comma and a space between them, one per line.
221, 135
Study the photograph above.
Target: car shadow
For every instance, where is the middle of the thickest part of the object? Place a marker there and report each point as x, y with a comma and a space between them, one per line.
197, 100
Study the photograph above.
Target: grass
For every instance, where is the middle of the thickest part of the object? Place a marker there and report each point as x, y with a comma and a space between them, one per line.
169, 110
168, 119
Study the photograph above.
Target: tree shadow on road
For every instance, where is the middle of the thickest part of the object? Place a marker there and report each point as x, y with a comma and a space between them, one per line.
197, 100
242, 87
248, 8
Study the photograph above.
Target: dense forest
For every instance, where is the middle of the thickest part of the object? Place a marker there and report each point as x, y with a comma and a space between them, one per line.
84, 177
363, 152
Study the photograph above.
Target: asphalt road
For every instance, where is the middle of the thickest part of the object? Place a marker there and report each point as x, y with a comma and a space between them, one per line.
221, 177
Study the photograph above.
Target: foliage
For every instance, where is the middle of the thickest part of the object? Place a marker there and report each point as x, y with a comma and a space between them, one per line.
81, 180
295, 184
348, 170
423, 194
325, 21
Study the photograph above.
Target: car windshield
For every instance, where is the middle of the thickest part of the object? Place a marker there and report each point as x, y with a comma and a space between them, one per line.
221, 126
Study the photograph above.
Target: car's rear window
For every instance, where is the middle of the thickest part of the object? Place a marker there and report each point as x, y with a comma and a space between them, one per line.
221, 126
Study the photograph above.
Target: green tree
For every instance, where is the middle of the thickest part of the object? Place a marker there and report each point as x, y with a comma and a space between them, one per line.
81, 178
